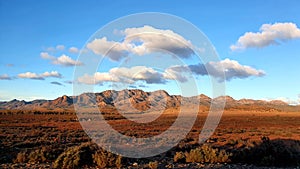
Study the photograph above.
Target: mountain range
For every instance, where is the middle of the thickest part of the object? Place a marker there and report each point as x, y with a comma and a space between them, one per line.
142, 101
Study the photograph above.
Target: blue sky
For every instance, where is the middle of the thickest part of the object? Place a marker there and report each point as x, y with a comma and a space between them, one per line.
29, 28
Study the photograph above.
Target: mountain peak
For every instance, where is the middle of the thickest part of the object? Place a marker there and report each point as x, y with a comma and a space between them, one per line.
138, 98
278, 102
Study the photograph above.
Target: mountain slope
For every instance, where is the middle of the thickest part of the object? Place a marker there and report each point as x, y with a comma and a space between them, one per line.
139, 100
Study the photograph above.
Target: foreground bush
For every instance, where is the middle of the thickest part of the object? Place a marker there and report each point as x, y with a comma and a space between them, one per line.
76, 157
37, 156
87, 154
105, 159
21, 158
41, 155
203, 154
153, 164
179, 157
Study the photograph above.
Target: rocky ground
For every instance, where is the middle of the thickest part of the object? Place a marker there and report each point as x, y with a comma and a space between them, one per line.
162, 166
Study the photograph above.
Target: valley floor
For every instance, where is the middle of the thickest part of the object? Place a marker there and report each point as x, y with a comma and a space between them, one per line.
237, 132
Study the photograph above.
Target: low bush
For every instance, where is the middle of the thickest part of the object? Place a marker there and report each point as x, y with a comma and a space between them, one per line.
104, 159
76, 157
21, 158
87, 154
179, 157
203, 154
153, 165
37, 156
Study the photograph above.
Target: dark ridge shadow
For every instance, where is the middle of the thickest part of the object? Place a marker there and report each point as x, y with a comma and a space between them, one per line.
278, 152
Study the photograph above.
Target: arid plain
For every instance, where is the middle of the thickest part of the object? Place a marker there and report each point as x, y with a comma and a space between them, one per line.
250, 132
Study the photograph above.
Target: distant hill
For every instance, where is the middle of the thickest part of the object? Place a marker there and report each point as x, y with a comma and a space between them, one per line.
142, 101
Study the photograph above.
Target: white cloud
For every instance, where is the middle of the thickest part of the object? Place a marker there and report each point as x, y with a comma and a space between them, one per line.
141, 41
5, 77
114, 50
298, 100
63, 60
149, 75
176, 73
73, 50
46, 55
269, 34
60, 47
51, 74
30, 75
66, 61
97, 78
232, 69
56, 48
124, 75
10, 65
50, 49
157, 40
286, 100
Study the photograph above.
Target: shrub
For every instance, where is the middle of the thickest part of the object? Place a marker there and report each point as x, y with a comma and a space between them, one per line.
21, 158
37, 156
194, 155
119, 162
76, 157
87, 154
41, 155
107, 159
153, 165
179, 157
207, 154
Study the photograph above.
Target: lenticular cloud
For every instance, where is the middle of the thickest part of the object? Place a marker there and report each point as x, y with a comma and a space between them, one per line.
149, 40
